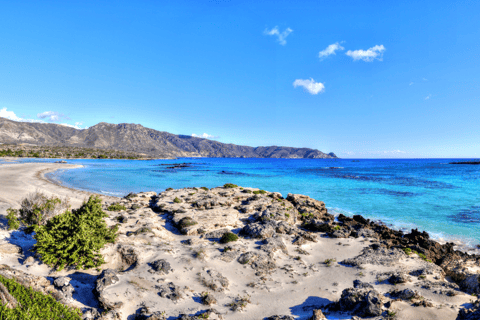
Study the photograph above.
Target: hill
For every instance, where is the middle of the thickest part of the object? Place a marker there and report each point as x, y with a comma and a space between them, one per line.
136, 138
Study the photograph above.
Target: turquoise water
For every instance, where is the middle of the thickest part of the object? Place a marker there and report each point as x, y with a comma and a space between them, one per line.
430, 194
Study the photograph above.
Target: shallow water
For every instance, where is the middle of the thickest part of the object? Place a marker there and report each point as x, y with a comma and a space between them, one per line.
430, 194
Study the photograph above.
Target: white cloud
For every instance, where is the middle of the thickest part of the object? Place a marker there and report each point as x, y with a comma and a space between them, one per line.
77, 125
368, 55
330, 50
428, 97
281, 36
310, 85
205, 136
411, 83
52, 116
10, 115
4, 113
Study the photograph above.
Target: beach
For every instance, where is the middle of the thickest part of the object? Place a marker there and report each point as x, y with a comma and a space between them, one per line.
292, 257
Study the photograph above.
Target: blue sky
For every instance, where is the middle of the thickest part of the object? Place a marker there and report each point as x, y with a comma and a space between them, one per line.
363, 79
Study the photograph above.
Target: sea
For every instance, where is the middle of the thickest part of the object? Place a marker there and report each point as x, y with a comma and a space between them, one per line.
429, 194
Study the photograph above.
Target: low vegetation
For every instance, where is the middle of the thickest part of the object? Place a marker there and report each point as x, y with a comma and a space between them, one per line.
239, 303
75, 238
34, 305
35, 210
229, 186
59, 152
116, 207
228, 237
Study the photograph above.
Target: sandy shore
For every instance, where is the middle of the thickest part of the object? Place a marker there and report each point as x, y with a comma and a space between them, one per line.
281, 268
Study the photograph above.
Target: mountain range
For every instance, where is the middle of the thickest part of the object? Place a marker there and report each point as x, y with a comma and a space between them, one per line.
137, 138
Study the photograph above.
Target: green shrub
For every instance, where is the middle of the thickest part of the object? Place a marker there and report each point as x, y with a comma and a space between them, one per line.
186, 222
259, 192
229, 185
34, 305
116, 207
228, 237
169, 189
37, 208
177, 200
13, 223
204, 188
75, 238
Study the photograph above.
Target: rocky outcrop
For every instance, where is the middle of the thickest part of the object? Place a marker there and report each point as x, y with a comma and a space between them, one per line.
361, 302
106, 278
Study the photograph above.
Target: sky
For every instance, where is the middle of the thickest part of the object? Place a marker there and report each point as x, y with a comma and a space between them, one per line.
362, 79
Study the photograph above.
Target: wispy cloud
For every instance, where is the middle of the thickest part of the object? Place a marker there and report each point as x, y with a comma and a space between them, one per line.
310, 85
428, 97
77, 125
368, 55
52, 116
4, 113
330, 50
281, 36
411, 83
204, 136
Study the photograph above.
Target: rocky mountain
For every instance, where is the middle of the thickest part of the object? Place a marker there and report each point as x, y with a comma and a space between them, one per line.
136, 138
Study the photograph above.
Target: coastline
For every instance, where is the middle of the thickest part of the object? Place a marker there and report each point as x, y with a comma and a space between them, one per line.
292, 278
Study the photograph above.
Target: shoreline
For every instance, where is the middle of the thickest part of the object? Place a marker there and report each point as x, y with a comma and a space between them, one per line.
461, 243
281, 269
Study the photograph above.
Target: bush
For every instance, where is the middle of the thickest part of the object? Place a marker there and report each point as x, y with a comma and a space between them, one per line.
229, 185
75, 238
177, 200
259, 192
13, 223
116, 207
34, 305
204, 188
228, 237
37, 208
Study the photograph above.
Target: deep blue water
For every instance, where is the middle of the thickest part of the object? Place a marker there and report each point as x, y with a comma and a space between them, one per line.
430, 194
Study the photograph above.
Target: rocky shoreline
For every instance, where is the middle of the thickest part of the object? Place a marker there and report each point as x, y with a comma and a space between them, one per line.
244, 253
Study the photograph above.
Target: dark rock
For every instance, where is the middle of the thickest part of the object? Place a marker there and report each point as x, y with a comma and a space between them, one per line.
171, 291
161, 266
358, 284
405, 294
106, 278
361, 302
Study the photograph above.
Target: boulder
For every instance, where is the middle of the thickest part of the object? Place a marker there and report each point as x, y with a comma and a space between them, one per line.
258, 230
106, 278
160, 266
361, 302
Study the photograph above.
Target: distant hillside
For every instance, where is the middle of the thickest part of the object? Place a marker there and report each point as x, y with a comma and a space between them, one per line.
136, 138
